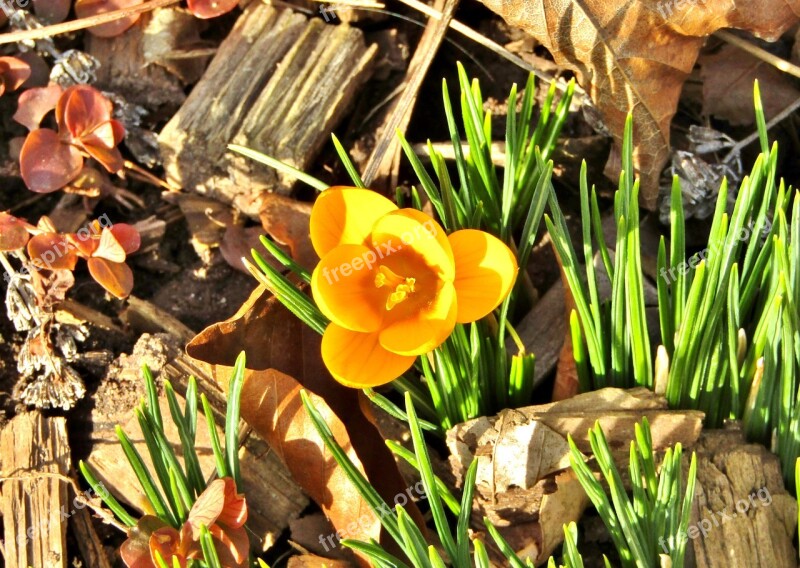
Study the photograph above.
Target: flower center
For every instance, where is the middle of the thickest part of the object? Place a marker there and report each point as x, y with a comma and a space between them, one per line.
401, 287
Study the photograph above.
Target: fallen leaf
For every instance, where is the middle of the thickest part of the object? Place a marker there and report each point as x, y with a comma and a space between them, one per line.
313, 561
237, 244
634, 56
286, 221
524, 484
283, 356
728, 77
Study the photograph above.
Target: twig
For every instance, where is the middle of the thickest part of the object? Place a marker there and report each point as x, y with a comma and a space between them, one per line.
146, 176
759, 53
754, 136
495, 47
423, 57
83, 23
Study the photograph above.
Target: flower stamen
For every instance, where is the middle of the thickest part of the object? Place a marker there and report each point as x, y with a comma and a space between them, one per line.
402, 286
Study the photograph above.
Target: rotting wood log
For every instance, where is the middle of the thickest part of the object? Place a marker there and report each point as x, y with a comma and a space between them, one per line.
742, 516
279, 84
273, 497
35, 462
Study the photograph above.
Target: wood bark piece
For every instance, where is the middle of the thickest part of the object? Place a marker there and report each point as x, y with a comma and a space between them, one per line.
278, 84
273, 497
125, 70
524, 484
385, 158
742, 516
89, 543
35, 456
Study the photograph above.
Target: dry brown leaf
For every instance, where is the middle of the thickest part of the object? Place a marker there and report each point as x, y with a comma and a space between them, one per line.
728, 77
524, 484
634, 56
313, 561
283, 356
286, 221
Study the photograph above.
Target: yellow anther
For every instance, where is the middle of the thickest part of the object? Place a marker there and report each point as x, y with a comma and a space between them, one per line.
402, 286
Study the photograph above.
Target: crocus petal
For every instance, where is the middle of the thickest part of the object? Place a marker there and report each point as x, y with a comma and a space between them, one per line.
485, 273
232, 545
46, 163
207, 508
51, 251
345, 215
167, 542
116, 277
426, 329
358, 360
234, 513
343, 285
135, 551
412, 229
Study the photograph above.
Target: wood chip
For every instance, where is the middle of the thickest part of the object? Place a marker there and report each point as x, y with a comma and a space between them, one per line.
742, 516
36, 459
279, 84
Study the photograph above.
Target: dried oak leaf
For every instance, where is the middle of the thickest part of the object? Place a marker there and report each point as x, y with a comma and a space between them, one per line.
287, 222
728, 77
283, 356
634, 56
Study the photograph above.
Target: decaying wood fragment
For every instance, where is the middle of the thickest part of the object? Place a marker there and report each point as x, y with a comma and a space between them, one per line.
273, 497
279, 84
35, 462
524, 484
89, 542
742, 517
125, 69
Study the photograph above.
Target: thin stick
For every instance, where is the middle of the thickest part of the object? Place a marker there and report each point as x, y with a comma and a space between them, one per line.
146, 176
759, 53
429, 44
754, 136
480, 39
83, 23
